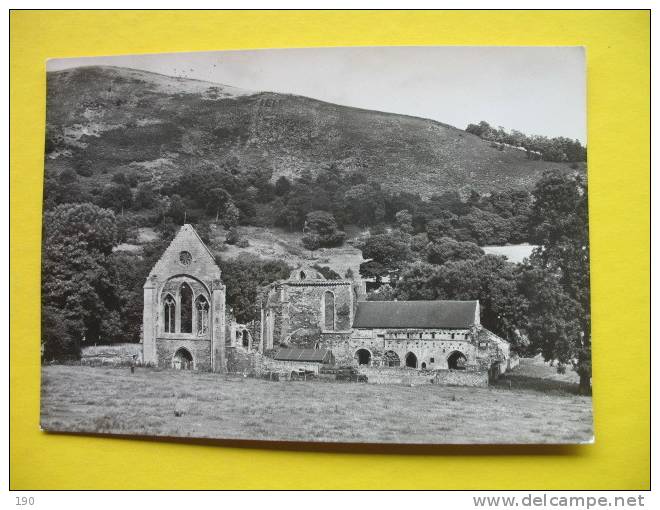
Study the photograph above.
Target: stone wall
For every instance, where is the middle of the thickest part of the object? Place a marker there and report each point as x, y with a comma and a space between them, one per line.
187, 260
412, 377
200, 350
461, 377
254, 363
306, 305
271, 365
432, 353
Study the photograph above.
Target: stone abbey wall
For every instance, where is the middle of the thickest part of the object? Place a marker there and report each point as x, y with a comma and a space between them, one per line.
200, 350
296, 311
306, 305
433, 353
185, 261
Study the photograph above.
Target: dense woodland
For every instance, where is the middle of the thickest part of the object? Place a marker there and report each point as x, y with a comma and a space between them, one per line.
430, 248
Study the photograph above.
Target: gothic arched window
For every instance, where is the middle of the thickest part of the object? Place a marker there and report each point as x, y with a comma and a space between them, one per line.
329, 310
202, 321
186, 300
169, 314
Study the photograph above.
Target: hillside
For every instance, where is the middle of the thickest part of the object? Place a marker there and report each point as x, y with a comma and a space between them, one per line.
111, 119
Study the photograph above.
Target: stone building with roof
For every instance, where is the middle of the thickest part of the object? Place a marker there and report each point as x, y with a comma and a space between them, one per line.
431, 335
308, 311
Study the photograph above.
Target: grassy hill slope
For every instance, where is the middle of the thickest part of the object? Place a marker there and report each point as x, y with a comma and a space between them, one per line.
110, 119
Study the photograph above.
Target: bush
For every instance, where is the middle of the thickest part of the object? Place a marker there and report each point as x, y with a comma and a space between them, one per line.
311, 241
243, 243
233, 236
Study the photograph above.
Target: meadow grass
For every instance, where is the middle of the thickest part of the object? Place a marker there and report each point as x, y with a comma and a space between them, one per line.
208, 405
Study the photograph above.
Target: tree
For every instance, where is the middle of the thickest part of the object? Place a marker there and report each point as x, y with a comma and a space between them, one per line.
282, 186
482, 227
441, 226
364, 204
373, 269
419, 242
244, 277
119, 178
177, 210
404, 221
311, 241
117, 197
559, 225
145, 196
67, 176
84, 224
446, 250
230, 216
490, 279
233, 236
416, 282
217, 200
130, 271
382, 293
323, 225
78, 283
390, 250
60, 335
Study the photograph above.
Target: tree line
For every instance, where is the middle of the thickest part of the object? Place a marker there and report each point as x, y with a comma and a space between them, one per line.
558, 149
233, 194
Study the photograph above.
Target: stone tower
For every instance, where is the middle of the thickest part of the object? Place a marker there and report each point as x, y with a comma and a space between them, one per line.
184, 307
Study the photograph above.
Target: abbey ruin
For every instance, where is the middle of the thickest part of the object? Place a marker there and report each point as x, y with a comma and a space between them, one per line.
308, 321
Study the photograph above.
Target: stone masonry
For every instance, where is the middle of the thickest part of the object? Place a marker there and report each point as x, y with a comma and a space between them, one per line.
184, 307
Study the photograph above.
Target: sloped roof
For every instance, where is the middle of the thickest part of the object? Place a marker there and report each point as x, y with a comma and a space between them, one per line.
416, 314
321, 355
202, 264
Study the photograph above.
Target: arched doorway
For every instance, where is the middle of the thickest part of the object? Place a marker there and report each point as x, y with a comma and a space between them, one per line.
363, 356
456, 361
411, 360
182, 360
246, 339
423, 366
391, 359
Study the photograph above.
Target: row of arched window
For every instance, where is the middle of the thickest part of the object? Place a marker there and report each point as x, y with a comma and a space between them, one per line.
189, 313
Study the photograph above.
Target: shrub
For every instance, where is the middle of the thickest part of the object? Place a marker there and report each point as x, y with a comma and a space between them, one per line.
311, 241
233, 236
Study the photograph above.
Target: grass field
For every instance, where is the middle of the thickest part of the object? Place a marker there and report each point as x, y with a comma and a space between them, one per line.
207, 405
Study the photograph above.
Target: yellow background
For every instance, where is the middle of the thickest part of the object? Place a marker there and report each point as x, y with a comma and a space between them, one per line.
619, 172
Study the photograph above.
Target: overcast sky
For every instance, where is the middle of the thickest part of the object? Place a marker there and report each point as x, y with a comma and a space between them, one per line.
539, 90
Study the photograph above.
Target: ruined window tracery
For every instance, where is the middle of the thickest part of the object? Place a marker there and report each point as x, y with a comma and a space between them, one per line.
169, 314
185, 258
186, 300
202, 316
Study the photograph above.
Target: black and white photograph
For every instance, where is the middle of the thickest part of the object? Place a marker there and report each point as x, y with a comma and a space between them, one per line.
334, 245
